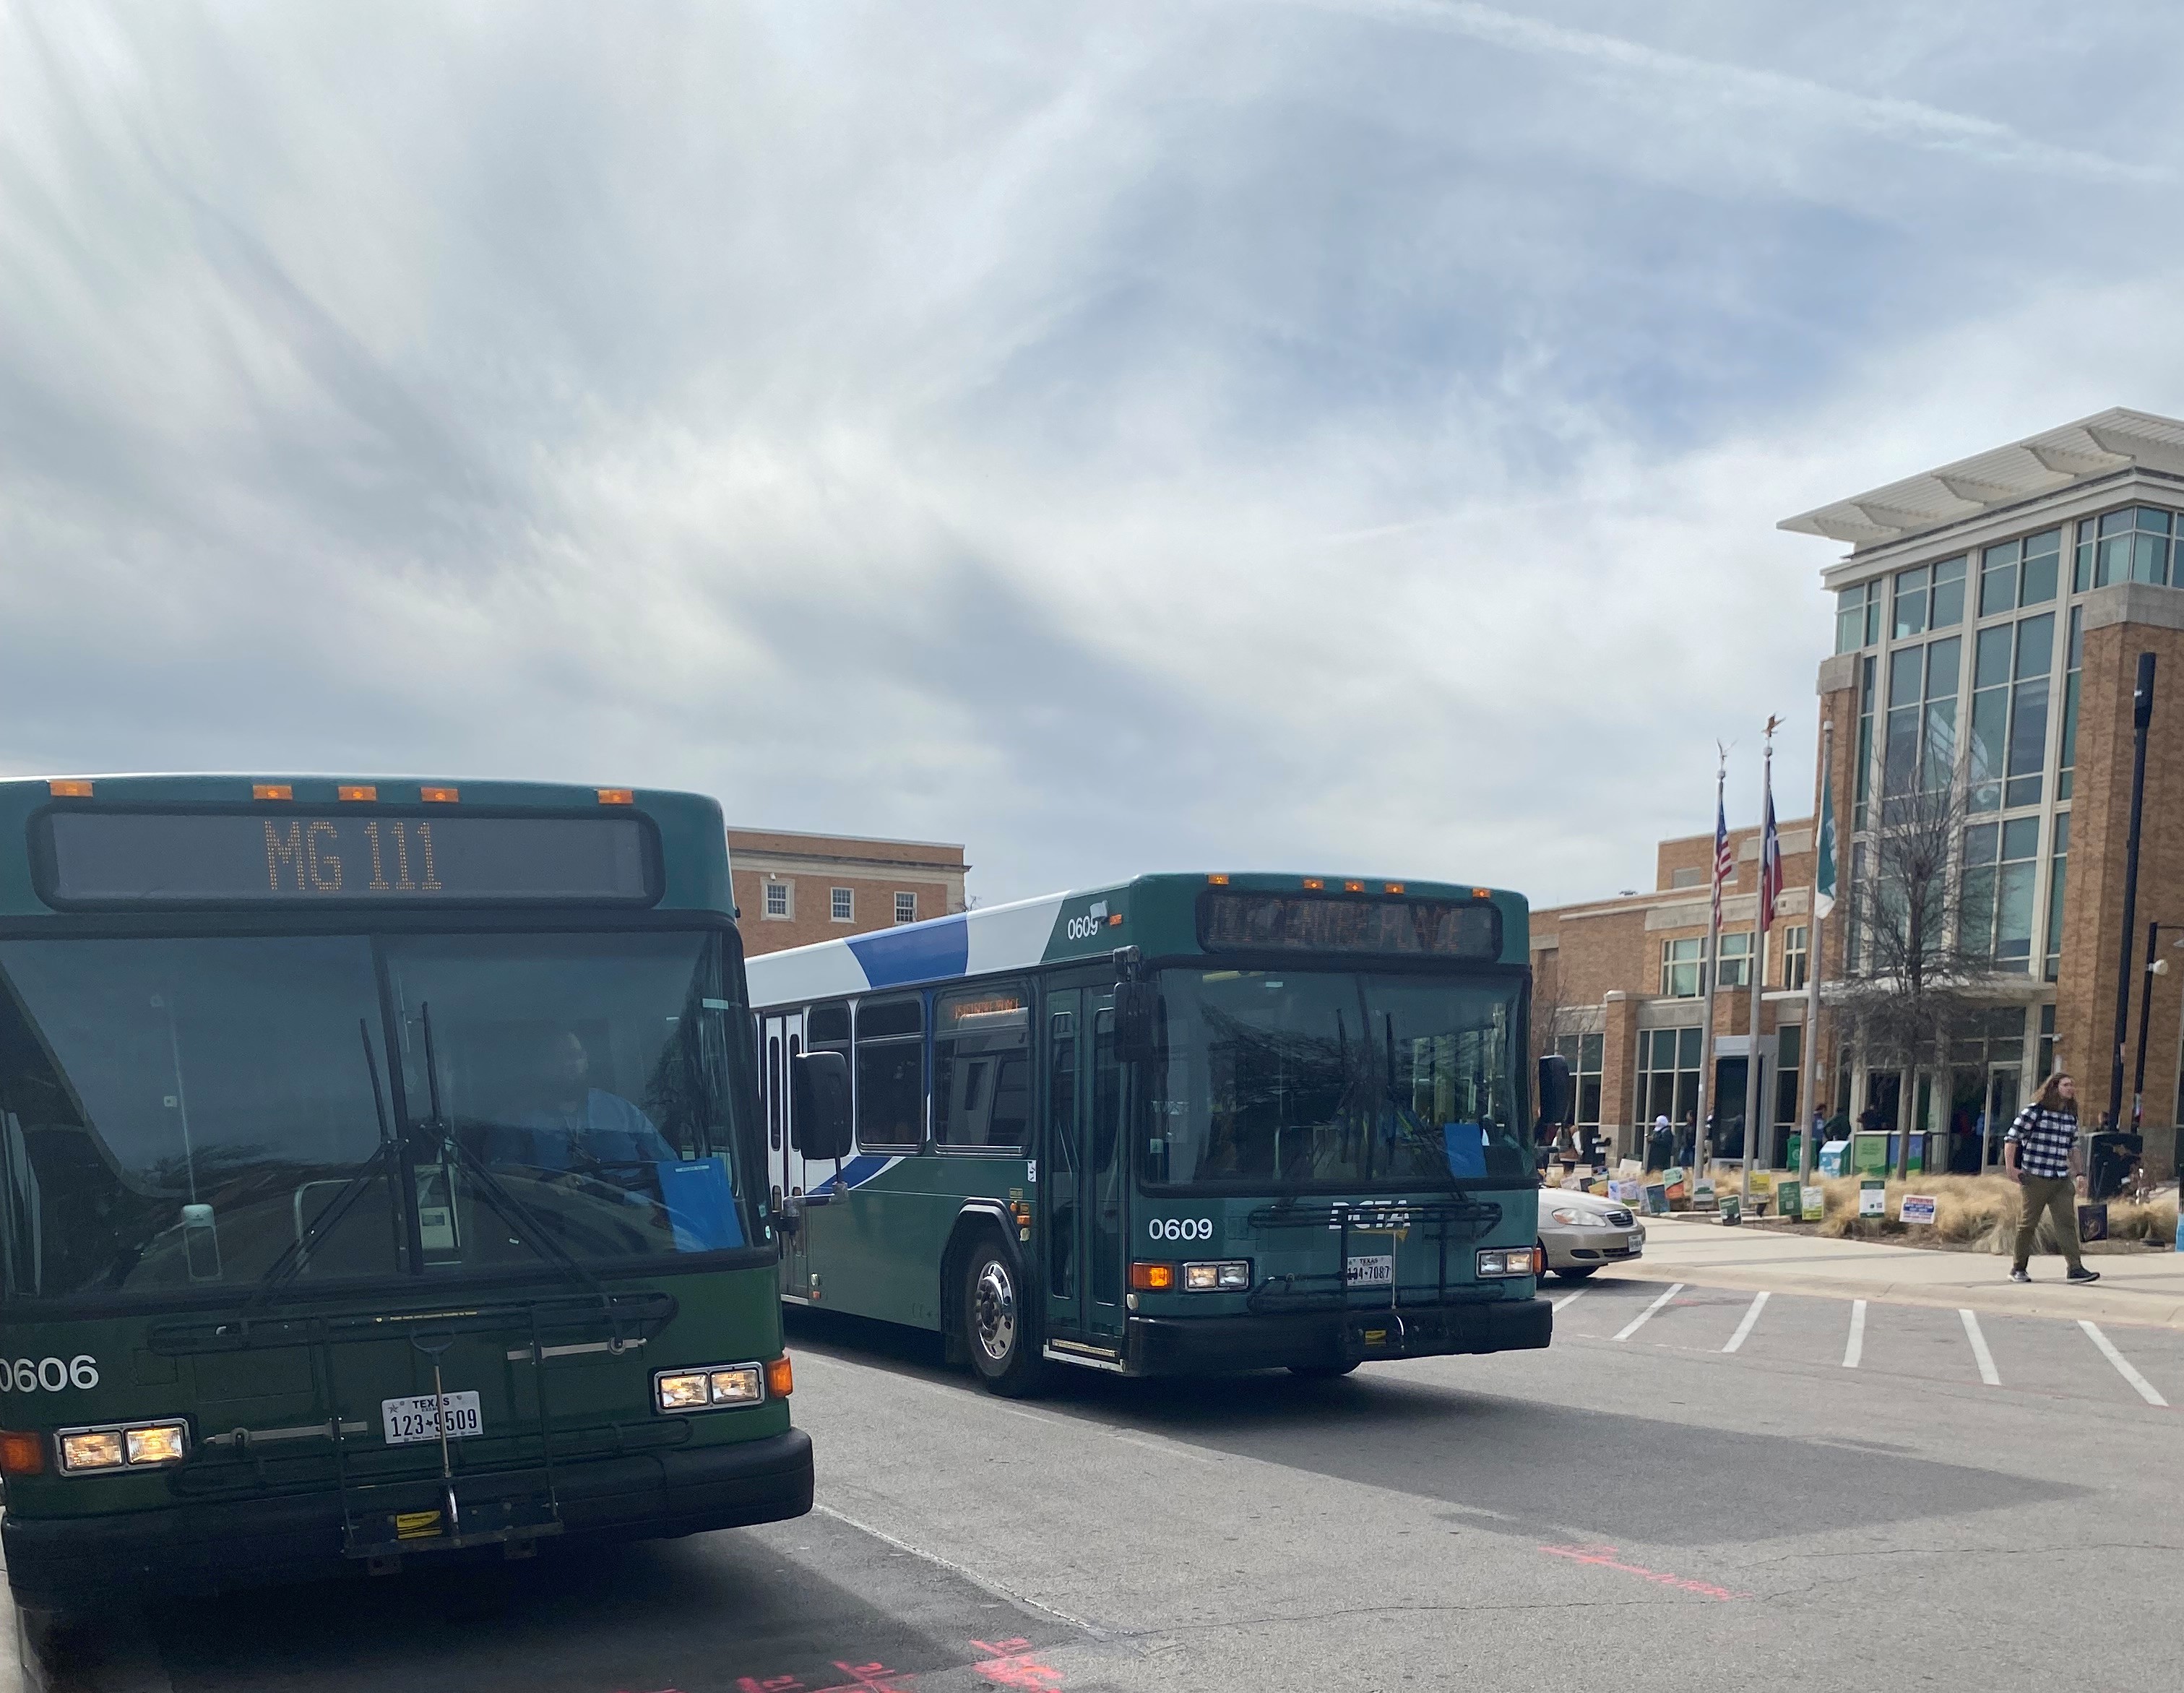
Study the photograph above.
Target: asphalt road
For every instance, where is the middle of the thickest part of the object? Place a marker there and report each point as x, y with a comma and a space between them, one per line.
1921, 1508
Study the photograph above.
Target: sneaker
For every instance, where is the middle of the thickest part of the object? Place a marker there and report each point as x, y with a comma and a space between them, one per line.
2019, 1276
2082, 1274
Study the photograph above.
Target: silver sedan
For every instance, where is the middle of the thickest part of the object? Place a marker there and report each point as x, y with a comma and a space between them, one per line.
1579, 1232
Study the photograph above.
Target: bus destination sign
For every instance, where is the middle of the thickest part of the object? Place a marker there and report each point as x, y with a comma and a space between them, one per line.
173, 858
1313, 922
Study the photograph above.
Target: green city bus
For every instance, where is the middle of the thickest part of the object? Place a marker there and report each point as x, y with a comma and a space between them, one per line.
1187, 1123
379, 1177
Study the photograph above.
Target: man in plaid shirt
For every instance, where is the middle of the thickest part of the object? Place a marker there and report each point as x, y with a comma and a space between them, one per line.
2040, 1152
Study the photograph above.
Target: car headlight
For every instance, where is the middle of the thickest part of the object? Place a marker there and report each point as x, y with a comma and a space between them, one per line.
710, 1387
1227, 1275
1571, 1217
123, 1446
1502, 1261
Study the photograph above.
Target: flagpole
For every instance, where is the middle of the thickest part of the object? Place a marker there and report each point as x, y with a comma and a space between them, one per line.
1701, 1163
1755, 962
1824, 835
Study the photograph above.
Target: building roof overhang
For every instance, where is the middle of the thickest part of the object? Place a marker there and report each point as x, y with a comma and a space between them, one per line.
2097, 445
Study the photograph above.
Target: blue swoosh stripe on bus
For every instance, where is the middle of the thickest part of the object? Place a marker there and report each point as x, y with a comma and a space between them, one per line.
917, 952
862, 1168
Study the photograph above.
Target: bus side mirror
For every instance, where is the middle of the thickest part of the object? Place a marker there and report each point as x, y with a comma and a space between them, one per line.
1134, 1010
819, 1086
1554, 1095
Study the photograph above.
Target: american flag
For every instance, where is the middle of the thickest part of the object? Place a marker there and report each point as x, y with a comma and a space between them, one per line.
1725, 861
1770, 866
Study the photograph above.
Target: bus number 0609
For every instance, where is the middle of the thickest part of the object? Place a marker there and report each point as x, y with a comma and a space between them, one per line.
1180, 1228
28, 1375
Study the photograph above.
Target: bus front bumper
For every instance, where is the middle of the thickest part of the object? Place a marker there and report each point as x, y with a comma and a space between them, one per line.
91, 1562
1191, 1346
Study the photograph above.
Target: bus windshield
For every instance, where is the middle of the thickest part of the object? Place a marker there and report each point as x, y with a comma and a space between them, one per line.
198, 1114
1335, 1080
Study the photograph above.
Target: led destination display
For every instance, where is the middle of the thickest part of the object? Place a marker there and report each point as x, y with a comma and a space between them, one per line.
165, 858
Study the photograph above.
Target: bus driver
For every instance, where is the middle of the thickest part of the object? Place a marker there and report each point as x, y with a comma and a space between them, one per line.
575, 1126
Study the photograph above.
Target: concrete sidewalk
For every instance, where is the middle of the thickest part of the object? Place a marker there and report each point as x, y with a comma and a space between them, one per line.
2133, 1288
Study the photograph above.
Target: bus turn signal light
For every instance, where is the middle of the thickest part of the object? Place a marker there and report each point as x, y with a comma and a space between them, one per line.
1152, 1278
21, 1454
780, 1378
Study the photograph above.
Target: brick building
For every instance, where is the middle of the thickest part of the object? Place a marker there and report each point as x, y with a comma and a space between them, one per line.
1619, 990
1990, 614
796, 888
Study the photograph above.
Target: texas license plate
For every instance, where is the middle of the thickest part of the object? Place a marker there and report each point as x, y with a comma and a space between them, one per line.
418, 1418
1373, 1272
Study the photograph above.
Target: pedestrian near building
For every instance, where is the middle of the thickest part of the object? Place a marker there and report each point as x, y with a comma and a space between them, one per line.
2041, 1153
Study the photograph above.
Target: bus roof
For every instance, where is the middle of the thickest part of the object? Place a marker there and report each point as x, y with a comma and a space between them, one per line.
1158, 915
691, 832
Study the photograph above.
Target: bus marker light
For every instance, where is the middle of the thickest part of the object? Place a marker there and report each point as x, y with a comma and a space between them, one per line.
1482, 892
1152, 1278
97, 1449
439, 796
357, 791
1218, 879
1315, 881
67, 789
21, 1454
1353, 887
1391, 888
617, 796
272, 790
780, 1378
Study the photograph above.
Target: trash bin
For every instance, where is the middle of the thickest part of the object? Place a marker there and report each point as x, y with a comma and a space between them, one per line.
2109, 1155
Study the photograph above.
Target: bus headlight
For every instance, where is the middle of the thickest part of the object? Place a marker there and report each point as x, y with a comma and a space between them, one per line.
709, 1387
121, 1446
1513, 1260
1227, 1275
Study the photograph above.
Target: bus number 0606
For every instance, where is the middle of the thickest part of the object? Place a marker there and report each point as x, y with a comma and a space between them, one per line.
1180, 1228
28, 1375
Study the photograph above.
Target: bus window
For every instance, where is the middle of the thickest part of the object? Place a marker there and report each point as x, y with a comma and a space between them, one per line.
981, 1067
1106, 1162
773, 1089
890, 1073
1061, 1153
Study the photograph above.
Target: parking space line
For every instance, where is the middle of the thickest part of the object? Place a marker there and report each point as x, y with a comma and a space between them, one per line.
1854, 1348
1751, 1316
1568, 1300
2147, 1390
1988, 1373
1638, 1322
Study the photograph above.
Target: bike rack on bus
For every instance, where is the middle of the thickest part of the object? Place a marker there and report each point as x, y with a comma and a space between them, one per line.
1441, 1223
387, 1514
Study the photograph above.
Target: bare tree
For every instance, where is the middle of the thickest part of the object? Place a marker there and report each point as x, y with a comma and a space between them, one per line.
1921, 942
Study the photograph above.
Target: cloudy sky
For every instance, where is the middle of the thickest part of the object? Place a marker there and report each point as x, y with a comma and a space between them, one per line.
1320, 434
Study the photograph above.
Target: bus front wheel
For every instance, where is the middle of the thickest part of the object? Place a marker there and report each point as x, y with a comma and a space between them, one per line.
998, 1322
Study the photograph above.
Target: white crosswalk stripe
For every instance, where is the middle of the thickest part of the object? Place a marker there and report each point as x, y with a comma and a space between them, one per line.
1568, 1300
1638, 1322
1981, 1355
1750, 1317
1854, 1348
2147, 1390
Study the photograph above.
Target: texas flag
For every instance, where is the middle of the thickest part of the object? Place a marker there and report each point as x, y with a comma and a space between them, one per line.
1770, 864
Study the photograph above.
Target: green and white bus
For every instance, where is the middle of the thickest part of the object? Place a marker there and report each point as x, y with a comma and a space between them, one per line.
379, 1177
1189, 1123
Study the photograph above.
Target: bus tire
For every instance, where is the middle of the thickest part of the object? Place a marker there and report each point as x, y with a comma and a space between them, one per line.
1000, 1328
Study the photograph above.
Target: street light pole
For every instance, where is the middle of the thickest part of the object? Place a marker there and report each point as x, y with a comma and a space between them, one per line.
2141, 713
2154, 967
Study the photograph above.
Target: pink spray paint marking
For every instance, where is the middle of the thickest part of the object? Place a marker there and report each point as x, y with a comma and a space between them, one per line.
1009, 1663
1605, 1558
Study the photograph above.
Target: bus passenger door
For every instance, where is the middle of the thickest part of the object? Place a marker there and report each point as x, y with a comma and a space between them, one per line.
1084, 1172
782, 1039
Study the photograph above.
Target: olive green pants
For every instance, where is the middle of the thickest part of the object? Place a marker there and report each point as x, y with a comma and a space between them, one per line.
2057, 1196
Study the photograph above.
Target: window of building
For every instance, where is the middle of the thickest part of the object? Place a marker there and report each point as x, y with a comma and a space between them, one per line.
1797, 949
2010, 684
982, 1067
1857, 616
1867, 668
842, 904
891, 1072
1922, 717
2019, 573
1999, 859
2073, 653
2046, 1042
2130, 545
1789, 1077
777, 899
1930, 597
905, 908
1735, 961
2058, 858
1586, 1056
1680, 968
1667, 1075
